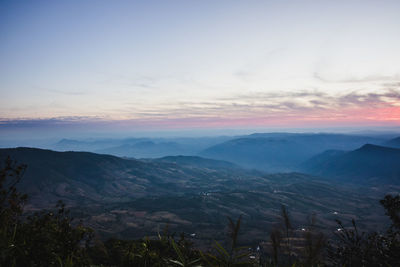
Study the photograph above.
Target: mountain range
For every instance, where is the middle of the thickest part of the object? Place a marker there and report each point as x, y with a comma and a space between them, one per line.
282, 152
270, 152
370, 163
84, 177
130, 198
140, 147
393, 143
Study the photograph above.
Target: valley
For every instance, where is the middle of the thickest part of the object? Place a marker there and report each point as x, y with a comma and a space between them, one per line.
130, 198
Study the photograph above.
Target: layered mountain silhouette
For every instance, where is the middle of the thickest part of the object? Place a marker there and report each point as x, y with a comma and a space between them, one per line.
370, 163
198, 162
393, 143
127, 197
140, 147
282, 151
146, 149
84, 177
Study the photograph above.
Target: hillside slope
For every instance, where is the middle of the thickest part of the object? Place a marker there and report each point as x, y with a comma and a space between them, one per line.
83, 177
281, 152
395, 143
132, 198
370, 163
198, 162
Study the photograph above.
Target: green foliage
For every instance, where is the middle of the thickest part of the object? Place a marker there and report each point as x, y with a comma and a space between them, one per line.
11, 201
313, 245
49, 237
308, 250
183, 259
392, 207
232, 256
11, 207
46, 238
166, 251
369, 249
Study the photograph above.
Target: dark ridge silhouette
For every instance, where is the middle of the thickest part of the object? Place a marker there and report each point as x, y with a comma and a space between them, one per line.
85, 177
321, 159
370, 163
282, 152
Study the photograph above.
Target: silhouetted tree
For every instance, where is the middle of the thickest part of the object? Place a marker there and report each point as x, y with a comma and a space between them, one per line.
392, 208
45, 238
11, 207
368, 249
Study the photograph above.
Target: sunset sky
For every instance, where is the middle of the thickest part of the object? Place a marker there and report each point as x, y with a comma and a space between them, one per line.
199, 64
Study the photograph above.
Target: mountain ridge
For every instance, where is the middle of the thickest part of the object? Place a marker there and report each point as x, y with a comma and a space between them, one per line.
281, 152
130, 198
395, 142
369, 163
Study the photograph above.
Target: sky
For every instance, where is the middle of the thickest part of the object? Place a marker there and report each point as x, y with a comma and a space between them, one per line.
168, 64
